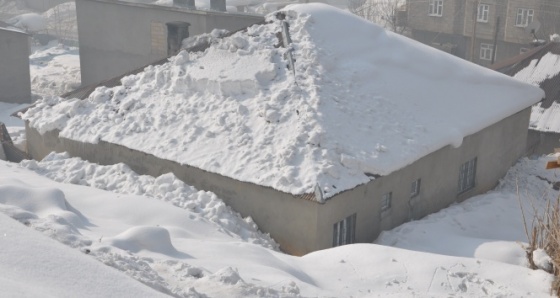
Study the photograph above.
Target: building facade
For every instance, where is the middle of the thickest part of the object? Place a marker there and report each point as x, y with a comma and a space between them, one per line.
15, 82
483, 31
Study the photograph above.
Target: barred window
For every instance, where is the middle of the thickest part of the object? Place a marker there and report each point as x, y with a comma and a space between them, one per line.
467, 173
344, 231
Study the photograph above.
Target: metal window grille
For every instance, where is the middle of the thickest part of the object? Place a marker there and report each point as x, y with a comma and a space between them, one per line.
467, 173
415, 188
386, 201
344, 231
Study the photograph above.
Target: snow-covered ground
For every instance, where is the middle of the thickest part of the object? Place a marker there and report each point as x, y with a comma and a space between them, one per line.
119, 228
54, 69
184, 250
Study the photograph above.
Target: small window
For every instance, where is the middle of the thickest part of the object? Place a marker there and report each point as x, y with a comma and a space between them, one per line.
482, 13
486, 51
524, 17
344, 231
435, 8
467, 173
415, 188
386, 201
523, 50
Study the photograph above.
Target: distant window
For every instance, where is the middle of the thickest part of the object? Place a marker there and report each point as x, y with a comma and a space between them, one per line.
436, 8
486, 51
482, 15
523, 50
524, 17
415, 188
386, 201
467, 173
344, 231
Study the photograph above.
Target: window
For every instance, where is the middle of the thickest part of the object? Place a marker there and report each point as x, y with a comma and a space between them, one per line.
524, 17
486, 50
386, 201
415, 188
467, 172
344, 231
482, 14
436, 8
523, 50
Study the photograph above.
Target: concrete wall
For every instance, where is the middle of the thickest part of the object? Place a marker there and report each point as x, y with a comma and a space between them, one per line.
302, 226
117, 37
15, 82
539, 143
290, 220
496, 148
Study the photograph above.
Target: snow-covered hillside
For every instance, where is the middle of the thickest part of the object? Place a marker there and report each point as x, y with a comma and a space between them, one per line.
188, 253
72, 228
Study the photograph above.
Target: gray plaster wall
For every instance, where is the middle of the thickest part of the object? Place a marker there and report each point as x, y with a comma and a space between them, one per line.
291, 221
496, 148
117, 37
302, 226
15, 82
539, 143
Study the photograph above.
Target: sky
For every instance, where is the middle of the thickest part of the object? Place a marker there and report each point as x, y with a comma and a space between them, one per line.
183, 242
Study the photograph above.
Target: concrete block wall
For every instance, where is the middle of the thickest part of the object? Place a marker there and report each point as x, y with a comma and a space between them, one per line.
15, 81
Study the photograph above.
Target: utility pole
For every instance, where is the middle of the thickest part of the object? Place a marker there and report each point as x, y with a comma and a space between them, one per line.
494, 48
475, 16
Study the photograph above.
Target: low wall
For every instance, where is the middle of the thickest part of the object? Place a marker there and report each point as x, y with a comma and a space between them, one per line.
290, 221
539, 143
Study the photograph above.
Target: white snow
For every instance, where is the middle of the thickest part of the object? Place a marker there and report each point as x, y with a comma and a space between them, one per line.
372, 108
33, 265
187, 243
177, 251
54, 69
539, 70
30, 22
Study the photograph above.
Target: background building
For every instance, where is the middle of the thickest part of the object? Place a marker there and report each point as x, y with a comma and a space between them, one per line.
116, 37
501, 28
15, 84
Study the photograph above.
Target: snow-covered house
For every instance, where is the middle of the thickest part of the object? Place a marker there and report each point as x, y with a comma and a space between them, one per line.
117, 36
540, 67
324, 128
15, 82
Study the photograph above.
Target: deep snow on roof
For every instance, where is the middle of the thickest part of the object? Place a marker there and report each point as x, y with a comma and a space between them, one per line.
363, 101
544, 70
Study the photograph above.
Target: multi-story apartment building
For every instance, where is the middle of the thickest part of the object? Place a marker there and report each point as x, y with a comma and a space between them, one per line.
483, 31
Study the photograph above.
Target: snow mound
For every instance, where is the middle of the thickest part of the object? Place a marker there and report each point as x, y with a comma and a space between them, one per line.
337, 119
41, 201
154, 239
120, 178
30, 22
